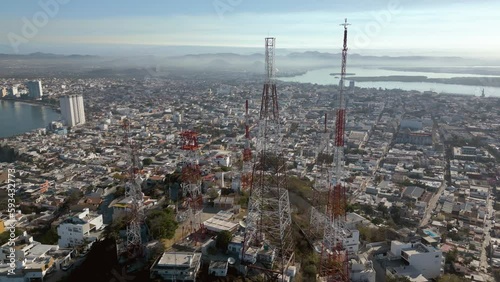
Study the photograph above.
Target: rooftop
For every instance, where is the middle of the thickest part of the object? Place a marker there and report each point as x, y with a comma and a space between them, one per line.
180, 259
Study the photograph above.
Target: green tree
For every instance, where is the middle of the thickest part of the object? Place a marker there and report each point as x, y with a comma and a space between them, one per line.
147, 161
212, 194
120, 191
223, 239
112, 230
243, 200
367, 209
451, 278
310, 270
4, 237
225, 168
162, 224
383, 209
395, 214
119, 176
47, 236
352, 207
451, 256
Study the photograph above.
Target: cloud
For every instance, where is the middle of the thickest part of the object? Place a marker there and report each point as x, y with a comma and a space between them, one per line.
414, 27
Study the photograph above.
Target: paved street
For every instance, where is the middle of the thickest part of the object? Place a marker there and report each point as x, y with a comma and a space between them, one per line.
487, 238
432, 205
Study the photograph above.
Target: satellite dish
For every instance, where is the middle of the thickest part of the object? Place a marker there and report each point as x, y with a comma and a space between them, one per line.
231, 260
243, 224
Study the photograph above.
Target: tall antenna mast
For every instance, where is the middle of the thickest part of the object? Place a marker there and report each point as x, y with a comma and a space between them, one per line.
246, 172
333, 263
133, 192
268, 223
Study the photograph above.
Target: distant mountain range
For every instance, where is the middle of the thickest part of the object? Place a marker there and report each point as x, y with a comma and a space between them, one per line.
289, 63
255, 56
40, 55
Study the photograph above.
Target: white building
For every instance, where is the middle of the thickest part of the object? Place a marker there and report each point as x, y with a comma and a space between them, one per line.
413, 124
427, 260
222, 160
177, 117
13, 91
32, 260
72, 109
221, 222
35, 89
75, 230
362, 270
177, 266
351, 241
218, 268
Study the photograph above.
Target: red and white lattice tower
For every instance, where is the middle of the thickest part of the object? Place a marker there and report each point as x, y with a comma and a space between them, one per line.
191, 181
133, 191
268, 223
333, 264
246, 171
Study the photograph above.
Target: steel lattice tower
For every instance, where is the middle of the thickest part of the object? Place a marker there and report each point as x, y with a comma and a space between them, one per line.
321, 185
246, 171
133, 191
268, 223
333, 264
191, 180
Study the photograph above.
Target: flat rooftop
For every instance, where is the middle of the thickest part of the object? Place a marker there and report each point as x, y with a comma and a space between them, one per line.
178, 259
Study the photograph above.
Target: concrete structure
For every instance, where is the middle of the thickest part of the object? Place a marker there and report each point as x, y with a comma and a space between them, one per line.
352, 84
218, 268
75, 230
35, 89
32, 259
3, 92
468, 153
72, 110
426, 260
177, 117
351, 241
235, 245
221, 222
362, 270
181, 266
223, 160
122, 206
13, 92
412, 124
414, 137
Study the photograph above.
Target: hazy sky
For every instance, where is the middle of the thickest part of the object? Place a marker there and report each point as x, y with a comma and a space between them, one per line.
463, 27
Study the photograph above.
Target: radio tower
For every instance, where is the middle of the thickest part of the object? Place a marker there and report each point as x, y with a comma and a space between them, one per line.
268, 223
134, 193
191, 181
333, 265
246, 172
321, 185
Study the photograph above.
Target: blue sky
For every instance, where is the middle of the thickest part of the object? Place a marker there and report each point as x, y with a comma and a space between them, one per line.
385, 27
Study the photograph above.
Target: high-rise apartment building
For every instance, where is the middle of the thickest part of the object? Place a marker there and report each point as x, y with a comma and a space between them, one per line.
72, 110
13, 92
35, 89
